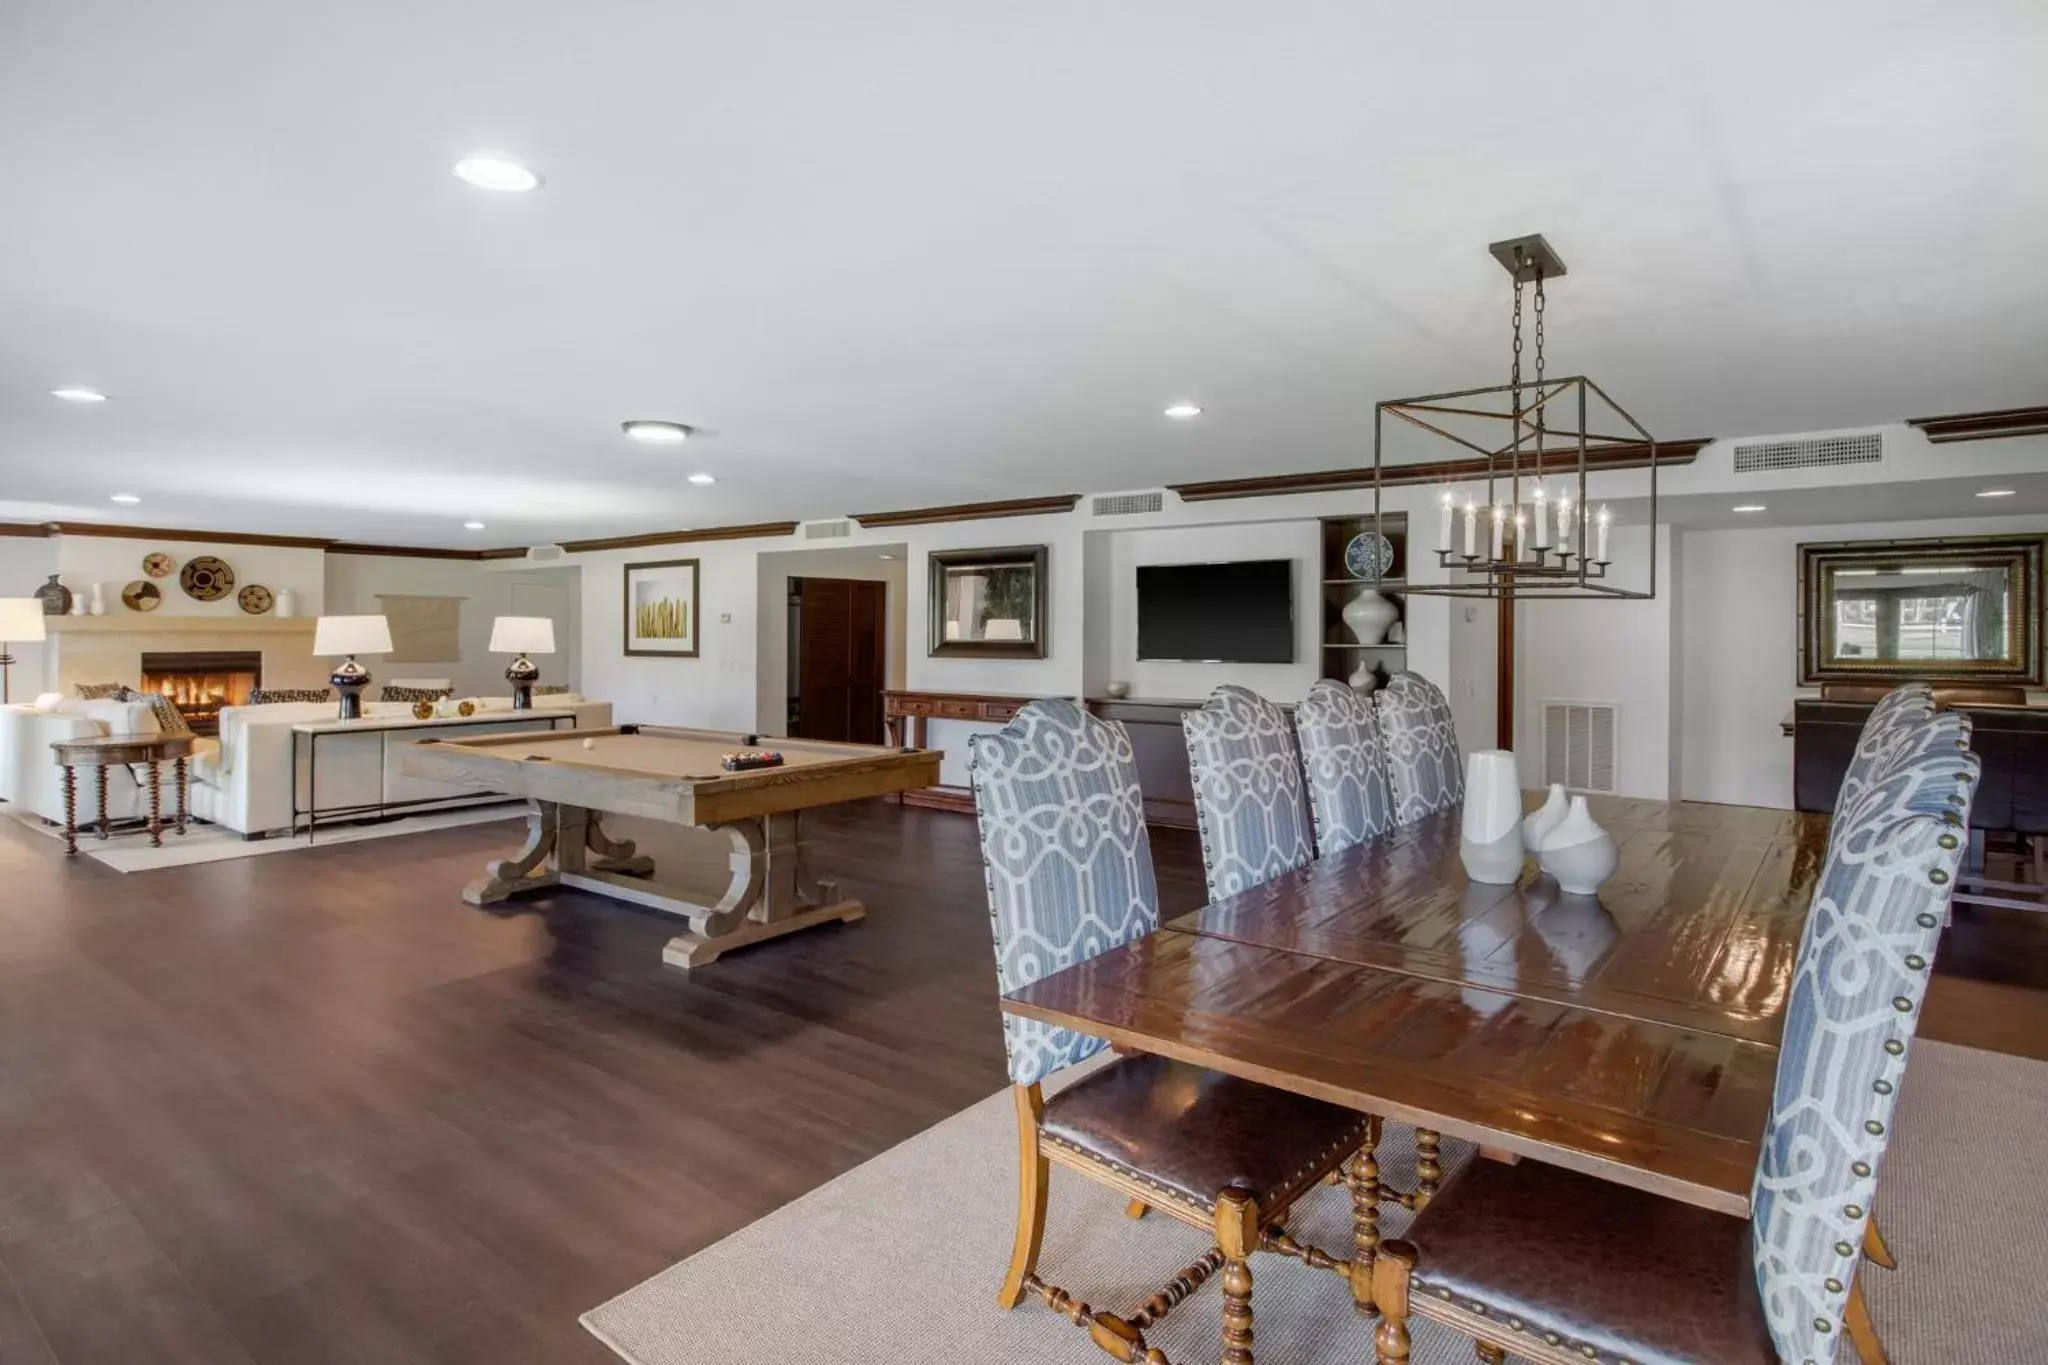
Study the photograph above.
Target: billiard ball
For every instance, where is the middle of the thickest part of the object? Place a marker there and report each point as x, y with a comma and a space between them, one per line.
590, 744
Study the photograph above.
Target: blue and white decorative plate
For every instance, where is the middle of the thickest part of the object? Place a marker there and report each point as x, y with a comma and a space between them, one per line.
1369, 556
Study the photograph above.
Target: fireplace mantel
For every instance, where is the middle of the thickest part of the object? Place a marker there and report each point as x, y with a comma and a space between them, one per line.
153, 623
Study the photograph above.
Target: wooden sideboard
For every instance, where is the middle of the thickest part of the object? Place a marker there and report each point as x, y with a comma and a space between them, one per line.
908, 717
2011, 742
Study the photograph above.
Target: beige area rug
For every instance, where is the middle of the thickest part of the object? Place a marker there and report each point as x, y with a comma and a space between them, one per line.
898, 1260
129, 851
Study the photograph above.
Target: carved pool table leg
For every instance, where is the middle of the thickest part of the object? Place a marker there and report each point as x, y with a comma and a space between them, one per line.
507, 877
612, 855
771, 894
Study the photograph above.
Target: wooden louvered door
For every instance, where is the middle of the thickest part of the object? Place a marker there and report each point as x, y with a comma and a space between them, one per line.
839, 666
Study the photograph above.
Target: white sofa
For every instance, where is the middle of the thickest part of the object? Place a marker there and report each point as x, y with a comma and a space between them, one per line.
31, 781
246, 783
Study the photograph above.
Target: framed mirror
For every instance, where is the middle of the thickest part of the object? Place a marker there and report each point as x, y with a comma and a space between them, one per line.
1958, 608
988, 604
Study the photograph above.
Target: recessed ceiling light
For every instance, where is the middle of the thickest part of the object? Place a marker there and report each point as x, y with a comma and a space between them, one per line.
1995, 493
1184, 410
888, 556
472, 526
1750, 507
124, 497
488, 171
657, 433
78, 395
702, 479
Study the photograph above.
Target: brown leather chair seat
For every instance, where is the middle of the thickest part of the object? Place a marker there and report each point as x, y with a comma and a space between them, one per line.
1196, 1132
1606, 1272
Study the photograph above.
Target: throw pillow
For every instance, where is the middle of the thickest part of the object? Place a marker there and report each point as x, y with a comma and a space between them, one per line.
415, 693
169, 719
274, 696
101, 691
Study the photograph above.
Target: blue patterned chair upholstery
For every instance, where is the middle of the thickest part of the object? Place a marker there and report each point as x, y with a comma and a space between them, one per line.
1068, 863
1518, 1244
1424, 769
1069, 870
1898, 715
1249, 803
1861, 978
1346, 767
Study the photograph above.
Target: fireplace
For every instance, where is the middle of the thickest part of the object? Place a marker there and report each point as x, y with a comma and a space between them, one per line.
200, 682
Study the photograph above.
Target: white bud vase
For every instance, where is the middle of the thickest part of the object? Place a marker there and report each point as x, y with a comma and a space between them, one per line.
1578, 853
1364, 680
99, 600
1491, 833
1368, 615
287, 603
1536, 826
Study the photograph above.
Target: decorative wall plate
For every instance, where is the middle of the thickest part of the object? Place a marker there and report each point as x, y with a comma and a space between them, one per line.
206, 578
255, 599
1369, 555
158, 564
142, 595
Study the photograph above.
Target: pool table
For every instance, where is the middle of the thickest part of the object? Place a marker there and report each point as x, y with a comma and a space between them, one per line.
573, 778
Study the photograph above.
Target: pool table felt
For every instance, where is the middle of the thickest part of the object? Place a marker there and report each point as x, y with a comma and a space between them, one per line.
696, 756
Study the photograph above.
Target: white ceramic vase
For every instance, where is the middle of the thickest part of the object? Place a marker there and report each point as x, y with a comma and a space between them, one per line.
99, 600
1578, 853
287, 602
1491, 834
1537, 824
1364, 679
1368, 615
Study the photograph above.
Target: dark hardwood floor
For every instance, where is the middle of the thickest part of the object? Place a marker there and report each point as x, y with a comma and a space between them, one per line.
312, 1108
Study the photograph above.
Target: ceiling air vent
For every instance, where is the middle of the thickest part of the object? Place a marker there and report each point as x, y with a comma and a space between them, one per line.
1810, 452
1579, 744
1126, 504
828, 530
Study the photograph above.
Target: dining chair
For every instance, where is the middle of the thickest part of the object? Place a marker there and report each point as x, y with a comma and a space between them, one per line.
1069, 872
1345, 765
1559, 1267
1250, 808
1424, 770
1898, 717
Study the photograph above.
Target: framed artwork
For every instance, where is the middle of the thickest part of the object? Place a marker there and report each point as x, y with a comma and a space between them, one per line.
661, 608
988, 604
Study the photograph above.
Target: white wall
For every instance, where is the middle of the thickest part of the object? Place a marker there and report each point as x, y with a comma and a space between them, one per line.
1616, 651
772, 631
1740, 654
114, 562
355, 581
26, 563
1474, 679
1298, 541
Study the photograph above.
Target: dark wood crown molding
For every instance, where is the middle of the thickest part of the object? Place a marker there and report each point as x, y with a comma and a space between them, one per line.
95, 528
1983, 426
759, 529
1602, 458
970, 511
350, 547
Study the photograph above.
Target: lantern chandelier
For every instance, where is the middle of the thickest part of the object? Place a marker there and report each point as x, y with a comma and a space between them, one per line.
1524, 526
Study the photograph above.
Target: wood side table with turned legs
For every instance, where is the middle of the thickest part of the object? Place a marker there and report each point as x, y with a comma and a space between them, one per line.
101, 752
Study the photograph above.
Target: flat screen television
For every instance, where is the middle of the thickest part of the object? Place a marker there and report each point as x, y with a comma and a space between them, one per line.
1239, 613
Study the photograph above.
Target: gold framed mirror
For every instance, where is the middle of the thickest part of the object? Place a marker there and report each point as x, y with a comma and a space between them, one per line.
988, 604
1964, 608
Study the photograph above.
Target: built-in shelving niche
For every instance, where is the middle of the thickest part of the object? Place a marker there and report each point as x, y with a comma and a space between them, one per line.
1341, 651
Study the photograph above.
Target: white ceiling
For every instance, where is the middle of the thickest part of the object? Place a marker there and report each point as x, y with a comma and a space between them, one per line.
912, 251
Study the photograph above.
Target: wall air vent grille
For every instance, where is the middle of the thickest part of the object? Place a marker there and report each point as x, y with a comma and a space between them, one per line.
1127, 504
545, 554
828, 530
1579, 744
1810, 452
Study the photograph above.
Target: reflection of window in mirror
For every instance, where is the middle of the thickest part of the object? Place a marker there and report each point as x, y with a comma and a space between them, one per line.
1922, 612
990, 602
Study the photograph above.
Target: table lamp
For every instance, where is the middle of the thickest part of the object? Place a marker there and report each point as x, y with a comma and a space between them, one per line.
21, 623
521, 636
351, 635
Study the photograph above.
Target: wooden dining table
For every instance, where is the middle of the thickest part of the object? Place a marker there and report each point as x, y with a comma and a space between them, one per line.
1632, 1036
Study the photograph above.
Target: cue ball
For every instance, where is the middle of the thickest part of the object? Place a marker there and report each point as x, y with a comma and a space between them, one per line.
590, 744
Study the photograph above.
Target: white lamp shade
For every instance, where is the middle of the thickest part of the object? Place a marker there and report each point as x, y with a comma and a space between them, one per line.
523, 635
21, 620
352, 635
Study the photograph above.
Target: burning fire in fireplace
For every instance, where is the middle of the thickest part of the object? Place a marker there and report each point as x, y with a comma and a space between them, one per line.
199, 683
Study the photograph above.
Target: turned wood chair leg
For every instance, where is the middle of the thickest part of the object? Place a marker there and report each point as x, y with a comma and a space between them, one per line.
1365, 1220
1390, 1270
1137, 1208
1862, 1331
1874, 1247
1237, 1233
1033, 1175
1429, 1171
